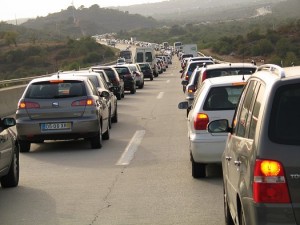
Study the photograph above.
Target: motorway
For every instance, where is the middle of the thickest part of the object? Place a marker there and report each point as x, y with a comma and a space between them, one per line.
141, 176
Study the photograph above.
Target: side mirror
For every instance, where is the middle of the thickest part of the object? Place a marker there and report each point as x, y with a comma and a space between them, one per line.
219, 126
183, 105
184, 82
103, 93
8, 122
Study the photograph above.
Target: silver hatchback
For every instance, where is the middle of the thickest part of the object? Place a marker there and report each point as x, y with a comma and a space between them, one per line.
61, 108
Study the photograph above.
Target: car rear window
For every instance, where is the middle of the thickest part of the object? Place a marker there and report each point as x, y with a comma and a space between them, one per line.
193, 65
284, 120
110, 73
122, 70
48, 90
223, 98
229, 72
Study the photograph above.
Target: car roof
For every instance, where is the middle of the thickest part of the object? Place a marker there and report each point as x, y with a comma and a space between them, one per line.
59, 76
278, 72
226, 80
230, 65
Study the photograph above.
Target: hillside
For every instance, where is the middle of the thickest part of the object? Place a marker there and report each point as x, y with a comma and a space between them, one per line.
207, 10
80, 22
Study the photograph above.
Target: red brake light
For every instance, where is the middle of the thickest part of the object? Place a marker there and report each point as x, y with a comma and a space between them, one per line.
201, 121
191, 89
28, 105
204, 75
269, 185
83, 102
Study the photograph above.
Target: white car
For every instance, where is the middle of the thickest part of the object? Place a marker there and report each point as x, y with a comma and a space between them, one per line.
215, 99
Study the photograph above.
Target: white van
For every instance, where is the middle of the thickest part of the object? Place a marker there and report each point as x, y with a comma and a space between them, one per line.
146, 55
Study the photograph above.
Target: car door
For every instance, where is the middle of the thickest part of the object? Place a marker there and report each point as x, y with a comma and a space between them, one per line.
5, 149
238, 146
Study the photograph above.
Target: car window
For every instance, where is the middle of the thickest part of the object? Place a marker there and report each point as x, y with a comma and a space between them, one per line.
149, 57
244, 110
229, 72
255, 112
122, 70
140, 57
223, 98
48, 90
284, 120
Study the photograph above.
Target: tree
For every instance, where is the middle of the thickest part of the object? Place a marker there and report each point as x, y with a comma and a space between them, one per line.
10, 37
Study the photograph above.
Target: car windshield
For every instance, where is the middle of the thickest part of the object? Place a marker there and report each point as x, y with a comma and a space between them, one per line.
223, 98
229, 72
284, 120
48, 90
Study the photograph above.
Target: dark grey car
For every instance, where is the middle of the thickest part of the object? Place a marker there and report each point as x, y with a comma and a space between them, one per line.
61, 107
261, 169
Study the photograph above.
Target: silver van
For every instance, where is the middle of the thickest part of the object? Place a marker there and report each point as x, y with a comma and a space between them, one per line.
261, 166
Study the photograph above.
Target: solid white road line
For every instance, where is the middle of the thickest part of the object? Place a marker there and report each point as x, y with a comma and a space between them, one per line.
160, 95
131, 148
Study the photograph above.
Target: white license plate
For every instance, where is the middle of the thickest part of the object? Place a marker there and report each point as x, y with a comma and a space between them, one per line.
56, 126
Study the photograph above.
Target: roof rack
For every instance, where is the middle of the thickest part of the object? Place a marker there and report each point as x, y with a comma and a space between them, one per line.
275, 69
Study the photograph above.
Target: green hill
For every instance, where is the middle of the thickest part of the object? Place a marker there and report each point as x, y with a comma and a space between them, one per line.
80, 22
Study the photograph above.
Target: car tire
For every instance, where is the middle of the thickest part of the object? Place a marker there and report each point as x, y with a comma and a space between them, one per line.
198, 169
109, 119
24, 146
133, 90
141, 86
106, 134
123, 94
96, 141
12, 178
119, 96
228, 218
114, 119
151, 78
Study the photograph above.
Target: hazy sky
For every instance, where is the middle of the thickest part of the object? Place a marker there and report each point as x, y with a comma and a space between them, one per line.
11, 9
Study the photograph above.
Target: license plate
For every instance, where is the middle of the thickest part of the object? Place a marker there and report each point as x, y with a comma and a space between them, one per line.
56, 126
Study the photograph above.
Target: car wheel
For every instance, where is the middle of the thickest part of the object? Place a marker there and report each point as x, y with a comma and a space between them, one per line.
109, 120
114, 119
12, 178
24, 146
242, 217
106, 134
198, 169
141, 86
133, 90
119, 96
228, 218
96, 141
151, 78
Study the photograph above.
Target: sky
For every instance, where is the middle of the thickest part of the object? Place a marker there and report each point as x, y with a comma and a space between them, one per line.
17, 9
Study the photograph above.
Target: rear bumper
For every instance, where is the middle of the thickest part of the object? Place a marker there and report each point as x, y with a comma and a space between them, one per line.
30, 130
207, 148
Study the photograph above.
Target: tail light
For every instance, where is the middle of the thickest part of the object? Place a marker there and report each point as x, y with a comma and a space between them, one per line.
204, 75
186, 77
201, 121
191, 89
269, 184
28, 105
83, 102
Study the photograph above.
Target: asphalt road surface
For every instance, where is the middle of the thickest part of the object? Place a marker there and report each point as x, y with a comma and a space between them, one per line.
141, 176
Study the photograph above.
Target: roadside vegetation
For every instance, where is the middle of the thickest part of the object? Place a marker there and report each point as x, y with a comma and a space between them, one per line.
33, 59
258, 39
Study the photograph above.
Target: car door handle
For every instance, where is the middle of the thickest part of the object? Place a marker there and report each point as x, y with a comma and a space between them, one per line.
237, 163
228, 158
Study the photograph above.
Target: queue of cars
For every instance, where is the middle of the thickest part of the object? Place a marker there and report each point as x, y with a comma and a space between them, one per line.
246, 119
